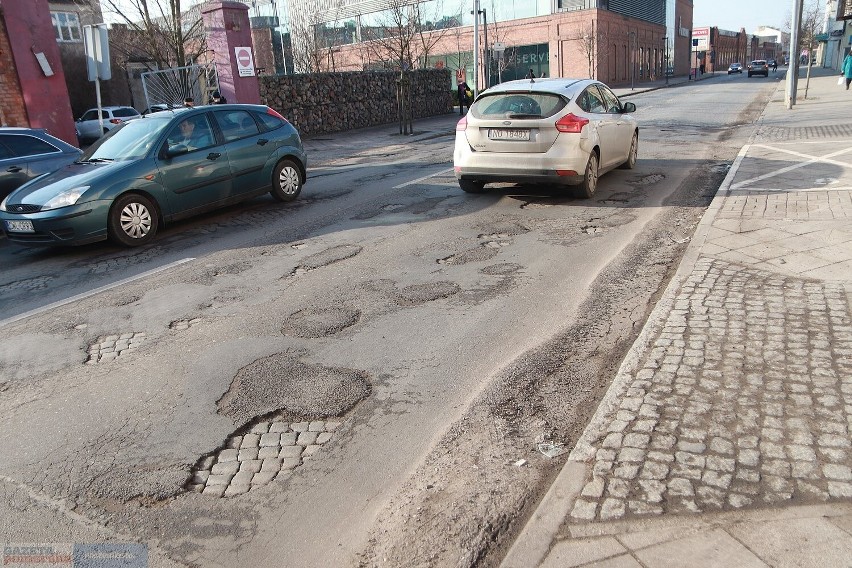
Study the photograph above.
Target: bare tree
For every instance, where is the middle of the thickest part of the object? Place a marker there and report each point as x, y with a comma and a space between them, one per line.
314, 37
160, 33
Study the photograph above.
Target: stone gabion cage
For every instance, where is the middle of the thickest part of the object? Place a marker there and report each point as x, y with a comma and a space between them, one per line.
318, 103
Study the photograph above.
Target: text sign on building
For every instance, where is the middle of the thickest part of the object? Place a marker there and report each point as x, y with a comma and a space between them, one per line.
703, 37
245, 61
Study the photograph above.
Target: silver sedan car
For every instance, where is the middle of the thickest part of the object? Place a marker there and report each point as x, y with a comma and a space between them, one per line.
552, 131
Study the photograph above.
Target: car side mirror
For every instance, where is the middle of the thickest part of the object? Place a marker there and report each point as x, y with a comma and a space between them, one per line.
628, 107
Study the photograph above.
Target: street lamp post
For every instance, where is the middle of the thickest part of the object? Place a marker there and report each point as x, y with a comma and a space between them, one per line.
666, 59
487, 75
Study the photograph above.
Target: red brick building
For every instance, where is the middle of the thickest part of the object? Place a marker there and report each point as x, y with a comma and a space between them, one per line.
606, 45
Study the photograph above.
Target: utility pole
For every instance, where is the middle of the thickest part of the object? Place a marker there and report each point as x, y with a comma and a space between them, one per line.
475, 48
793, 69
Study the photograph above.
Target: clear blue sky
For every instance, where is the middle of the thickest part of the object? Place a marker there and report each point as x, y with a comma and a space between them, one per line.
735, 14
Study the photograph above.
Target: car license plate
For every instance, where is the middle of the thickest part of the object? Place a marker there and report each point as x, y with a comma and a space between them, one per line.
20, 226
508, 134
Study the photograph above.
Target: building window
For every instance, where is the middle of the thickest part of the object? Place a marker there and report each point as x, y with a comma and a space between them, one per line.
66, 26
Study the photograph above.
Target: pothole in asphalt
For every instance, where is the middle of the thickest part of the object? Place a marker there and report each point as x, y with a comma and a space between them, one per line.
472, 255
646, 180
591, 230
268, 449
502, 229
422, 293
282, 382
502, 269
325, 258
180, 325
207, 277
319, 322
109, 347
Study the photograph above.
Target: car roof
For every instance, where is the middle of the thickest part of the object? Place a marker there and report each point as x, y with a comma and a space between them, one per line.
562, 86
112, 107
38, 133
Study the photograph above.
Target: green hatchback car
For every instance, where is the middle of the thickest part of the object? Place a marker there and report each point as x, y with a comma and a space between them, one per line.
162, 167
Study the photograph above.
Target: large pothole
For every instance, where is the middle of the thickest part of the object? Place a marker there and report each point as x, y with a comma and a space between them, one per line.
258, 454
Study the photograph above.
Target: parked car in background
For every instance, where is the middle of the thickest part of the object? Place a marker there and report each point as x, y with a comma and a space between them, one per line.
563, 132
735, 68
165, 166
89, 128
26, 153
758, 67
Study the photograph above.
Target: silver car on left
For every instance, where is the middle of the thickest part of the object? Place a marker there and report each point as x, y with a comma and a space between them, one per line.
563, 132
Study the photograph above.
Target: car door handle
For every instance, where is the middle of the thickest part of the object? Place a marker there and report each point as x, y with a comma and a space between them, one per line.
13, 169
262, 142
213, 155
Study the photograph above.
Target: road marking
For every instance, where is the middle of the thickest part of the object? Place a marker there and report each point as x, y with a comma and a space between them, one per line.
90, 293
827, 159
424, 178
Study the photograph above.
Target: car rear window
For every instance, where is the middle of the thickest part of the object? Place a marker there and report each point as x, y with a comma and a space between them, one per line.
124, 112
518, 105
23, 145
269, 121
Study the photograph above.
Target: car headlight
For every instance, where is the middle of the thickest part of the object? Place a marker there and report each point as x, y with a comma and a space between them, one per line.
3, 203
65, 198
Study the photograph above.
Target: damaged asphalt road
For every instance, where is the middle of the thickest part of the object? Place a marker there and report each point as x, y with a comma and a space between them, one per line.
432, 338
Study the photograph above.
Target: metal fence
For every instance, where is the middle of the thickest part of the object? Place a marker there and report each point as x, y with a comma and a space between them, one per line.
171, 86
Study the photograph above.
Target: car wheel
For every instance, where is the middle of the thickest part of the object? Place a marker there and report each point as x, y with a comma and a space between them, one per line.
286, 181
630, 163
471, 186
590, 179
133, 220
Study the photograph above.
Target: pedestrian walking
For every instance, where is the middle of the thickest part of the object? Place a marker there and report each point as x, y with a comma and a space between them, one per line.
189, 102
465, 97
847, 69
530, 75
218, 99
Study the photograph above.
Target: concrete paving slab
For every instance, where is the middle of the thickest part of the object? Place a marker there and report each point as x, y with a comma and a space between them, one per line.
799, 543
709, 550
572, 553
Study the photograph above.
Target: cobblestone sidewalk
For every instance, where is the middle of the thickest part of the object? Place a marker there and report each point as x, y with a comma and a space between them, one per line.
740, 400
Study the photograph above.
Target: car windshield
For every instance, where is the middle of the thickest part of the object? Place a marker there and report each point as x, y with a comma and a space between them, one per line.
518, 105
129, 141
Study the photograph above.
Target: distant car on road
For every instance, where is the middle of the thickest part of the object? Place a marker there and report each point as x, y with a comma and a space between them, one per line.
26, 153
89, 128
561, 132
758, 67
163, 167
735, 68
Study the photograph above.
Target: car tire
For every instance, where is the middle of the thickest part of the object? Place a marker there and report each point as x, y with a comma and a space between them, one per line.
633, 155
587, 189
133, 220
287, 181
471, 186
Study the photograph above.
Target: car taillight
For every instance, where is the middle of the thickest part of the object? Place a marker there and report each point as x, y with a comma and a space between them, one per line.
115, 120
462, 124
271, 112
571, 123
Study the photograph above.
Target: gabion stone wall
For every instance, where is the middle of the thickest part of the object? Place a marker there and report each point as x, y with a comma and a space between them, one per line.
317, 103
